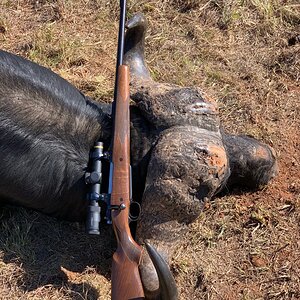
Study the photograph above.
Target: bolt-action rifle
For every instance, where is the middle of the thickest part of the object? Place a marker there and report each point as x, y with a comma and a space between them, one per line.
126, 280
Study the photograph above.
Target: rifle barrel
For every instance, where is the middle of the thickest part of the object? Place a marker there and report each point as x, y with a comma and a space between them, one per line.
121, 39
120, 51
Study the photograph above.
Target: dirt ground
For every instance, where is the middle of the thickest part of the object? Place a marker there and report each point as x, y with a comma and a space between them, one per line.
244, 53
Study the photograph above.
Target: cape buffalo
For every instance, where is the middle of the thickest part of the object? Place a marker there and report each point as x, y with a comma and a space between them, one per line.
180, 156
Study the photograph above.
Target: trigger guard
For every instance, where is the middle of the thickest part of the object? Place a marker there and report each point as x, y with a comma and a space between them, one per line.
134, 211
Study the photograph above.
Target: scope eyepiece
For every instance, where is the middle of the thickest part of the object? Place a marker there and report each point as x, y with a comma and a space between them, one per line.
93, 218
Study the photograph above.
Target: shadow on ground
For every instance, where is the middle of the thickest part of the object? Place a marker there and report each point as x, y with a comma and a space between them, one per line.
53, 253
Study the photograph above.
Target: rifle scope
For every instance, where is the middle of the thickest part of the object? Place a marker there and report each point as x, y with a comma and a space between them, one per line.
93, 179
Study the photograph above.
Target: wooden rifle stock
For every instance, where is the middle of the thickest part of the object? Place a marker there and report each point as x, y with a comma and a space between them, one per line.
126, 281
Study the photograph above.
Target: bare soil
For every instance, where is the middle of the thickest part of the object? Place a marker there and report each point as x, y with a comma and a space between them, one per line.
245, 54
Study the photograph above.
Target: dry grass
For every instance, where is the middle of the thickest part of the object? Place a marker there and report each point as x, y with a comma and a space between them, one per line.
246, 53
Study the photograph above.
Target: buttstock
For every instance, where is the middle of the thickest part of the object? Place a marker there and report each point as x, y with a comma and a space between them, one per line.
126, 280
